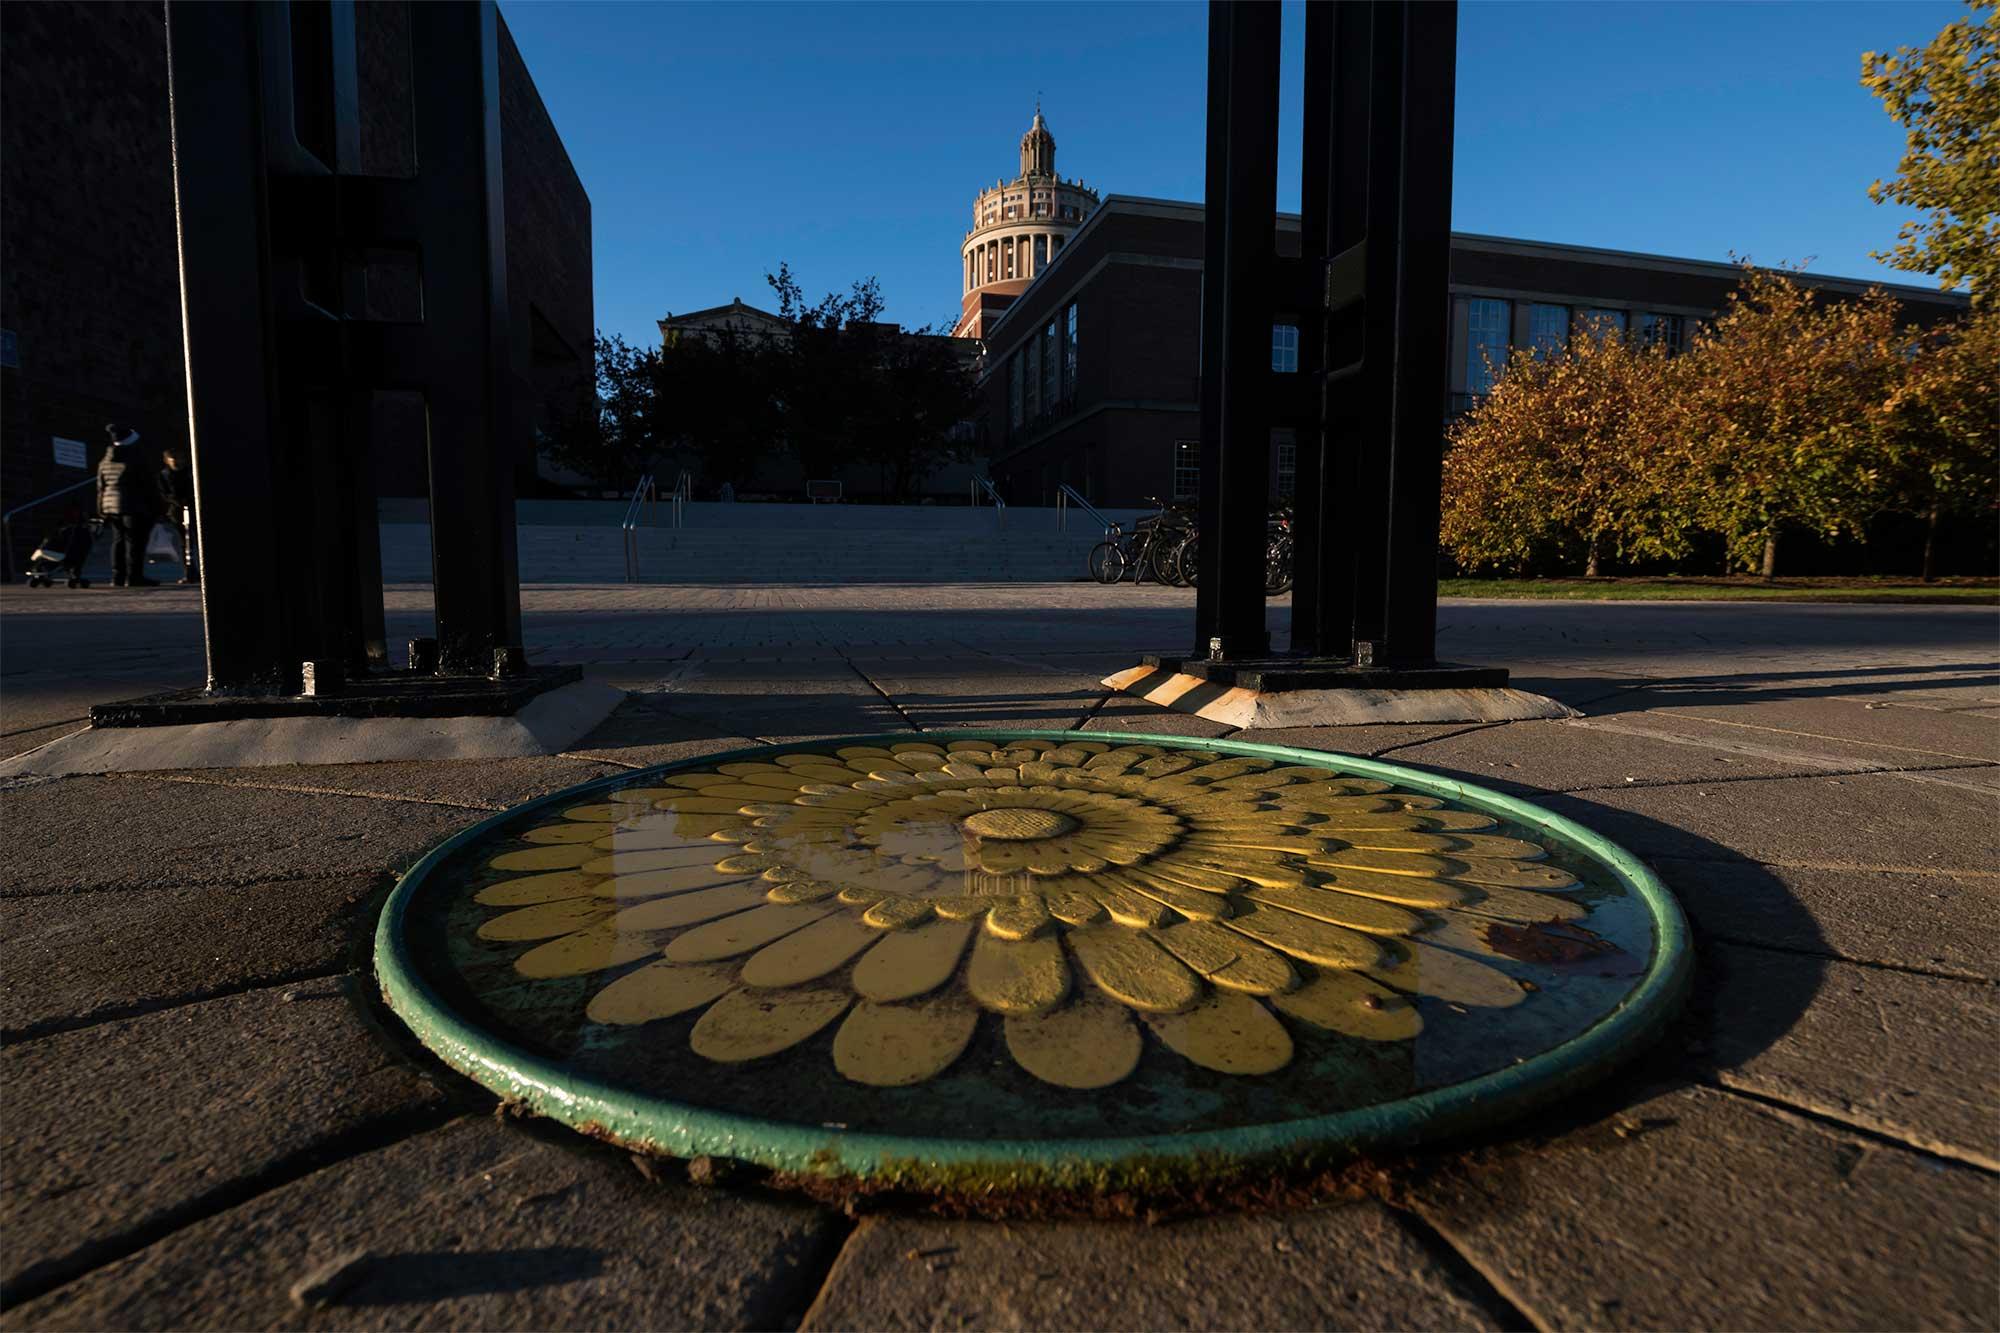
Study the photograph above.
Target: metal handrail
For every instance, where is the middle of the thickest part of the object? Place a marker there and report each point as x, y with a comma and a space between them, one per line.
980, 483
1067, 495
644, 492
683, 492
7, 520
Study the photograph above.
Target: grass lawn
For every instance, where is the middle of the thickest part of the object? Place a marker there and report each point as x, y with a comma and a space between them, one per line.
1966, 590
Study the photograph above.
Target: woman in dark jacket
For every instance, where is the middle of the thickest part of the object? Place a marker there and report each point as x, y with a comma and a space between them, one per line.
127, 496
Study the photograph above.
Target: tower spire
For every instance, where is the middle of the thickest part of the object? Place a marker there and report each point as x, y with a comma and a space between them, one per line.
1038, 146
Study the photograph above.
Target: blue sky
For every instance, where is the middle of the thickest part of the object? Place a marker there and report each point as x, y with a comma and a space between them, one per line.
716, 140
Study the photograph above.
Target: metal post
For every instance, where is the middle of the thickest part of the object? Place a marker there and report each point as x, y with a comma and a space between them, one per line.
243, 467
1377, 209
456, 58
1237, 290
1423, 287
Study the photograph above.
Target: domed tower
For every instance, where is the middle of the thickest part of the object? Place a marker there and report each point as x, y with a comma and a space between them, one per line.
1018, 228
1038, 148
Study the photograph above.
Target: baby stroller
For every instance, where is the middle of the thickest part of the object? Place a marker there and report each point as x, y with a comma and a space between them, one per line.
64, 549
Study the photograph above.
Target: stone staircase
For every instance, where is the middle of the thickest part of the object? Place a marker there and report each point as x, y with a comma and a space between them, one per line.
776, 544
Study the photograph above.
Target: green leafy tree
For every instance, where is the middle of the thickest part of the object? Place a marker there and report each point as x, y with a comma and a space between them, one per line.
825, 370
610, 431
717, 394
1943, 427
854, 389
1783, 403
1947, 96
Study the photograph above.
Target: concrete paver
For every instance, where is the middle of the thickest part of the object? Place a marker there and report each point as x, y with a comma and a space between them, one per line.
1942, 922
1530, 757
1697, 1209
149, 832
1903, 1055
1824, 737
473, 1225
1342, 1266
493, 784
984, 691
73, 960
183, 1143
1834, 717
123, 1128
1866, 819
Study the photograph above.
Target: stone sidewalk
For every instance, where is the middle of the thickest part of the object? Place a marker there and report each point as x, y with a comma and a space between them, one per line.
204, 1107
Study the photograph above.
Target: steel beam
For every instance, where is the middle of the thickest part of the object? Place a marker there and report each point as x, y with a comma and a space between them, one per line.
244, 465
1236, 305
461, 212
1376, 205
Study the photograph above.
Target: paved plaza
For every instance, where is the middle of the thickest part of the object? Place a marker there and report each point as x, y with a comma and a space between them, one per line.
210, 1121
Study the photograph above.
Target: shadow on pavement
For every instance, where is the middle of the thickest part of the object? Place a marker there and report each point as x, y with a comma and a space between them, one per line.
442, 1275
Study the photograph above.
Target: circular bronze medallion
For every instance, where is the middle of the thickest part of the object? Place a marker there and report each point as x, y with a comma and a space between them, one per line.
949, 959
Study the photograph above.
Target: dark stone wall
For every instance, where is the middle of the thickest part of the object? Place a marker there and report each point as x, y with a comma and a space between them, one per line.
88, 268
88, 252
549, 294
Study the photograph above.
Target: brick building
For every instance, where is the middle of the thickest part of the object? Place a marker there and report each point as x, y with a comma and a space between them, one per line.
1092, 374
1018, 228
90, 296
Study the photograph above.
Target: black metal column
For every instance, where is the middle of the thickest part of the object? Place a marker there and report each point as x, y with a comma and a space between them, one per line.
455, 53
251, 608
1377, 227
1238, 262
1423, 323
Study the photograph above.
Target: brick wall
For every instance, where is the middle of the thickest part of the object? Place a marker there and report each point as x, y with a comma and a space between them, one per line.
87, 245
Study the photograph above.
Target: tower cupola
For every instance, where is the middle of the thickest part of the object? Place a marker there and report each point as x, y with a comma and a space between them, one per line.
1038, 148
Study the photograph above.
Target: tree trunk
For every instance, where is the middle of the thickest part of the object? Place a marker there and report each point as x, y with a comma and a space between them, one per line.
1590, 558
1930, 543
1770, 569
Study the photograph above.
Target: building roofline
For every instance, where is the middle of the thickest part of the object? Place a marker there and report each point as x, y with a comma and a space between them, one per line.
1180, 210
1701, 268
718, 310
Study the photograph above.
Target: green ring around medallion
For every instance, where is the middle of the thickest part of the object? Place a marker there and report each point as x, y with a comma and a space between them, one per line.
998, 1165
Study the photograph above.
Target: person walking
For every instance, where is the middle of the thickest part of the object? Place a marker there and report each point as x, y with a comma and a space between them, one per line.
126, 502
177, 495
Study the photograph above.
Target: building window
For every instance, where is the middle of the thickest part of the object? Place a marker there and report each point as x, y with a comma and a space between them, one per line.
1600, 321
1288, 469
1069, 354
992, 258
1051, 368
1285, 349
1661, 330
1032, 378
1548, 328
1014, 390
1485, 342
1187, 469
1007, 258
1041, 253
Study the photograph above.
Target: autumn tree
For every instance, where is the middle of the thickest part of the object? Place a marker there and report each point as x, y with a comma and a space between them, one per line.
1783, 400
1575, 447
1942, 443
1947, 96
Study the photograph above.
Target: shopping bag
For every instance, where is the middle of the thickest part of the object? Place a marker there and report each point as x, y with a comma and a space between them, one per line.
160, 546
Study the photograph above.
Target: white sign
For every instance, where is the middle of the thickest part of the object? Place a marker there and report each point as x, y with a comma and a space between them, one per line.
71, 453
